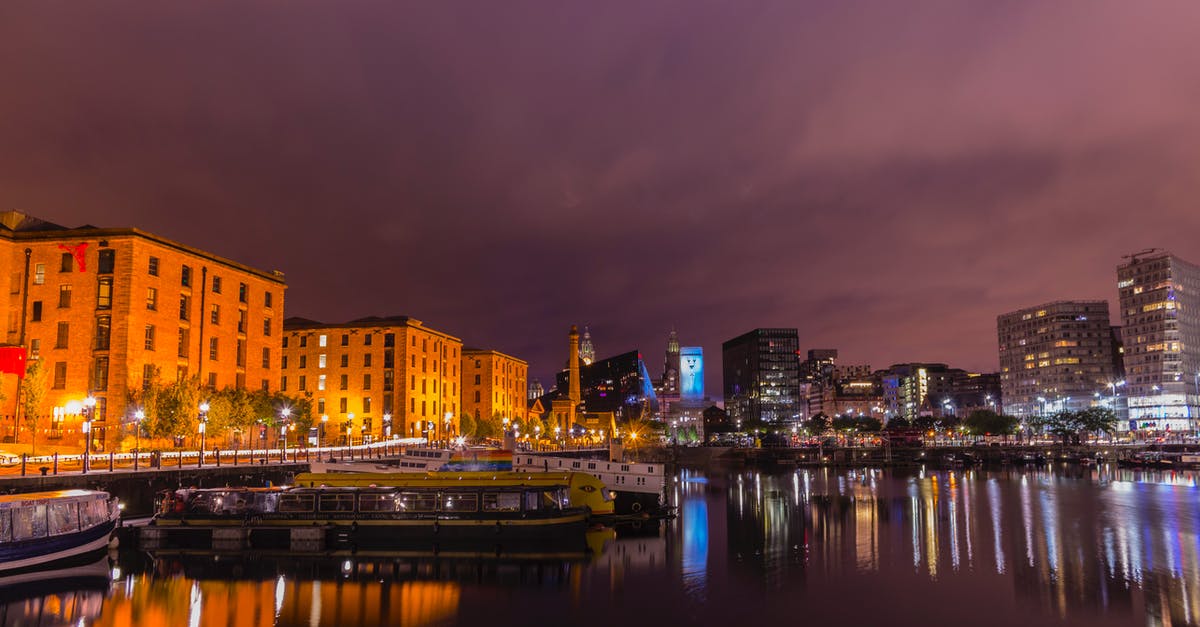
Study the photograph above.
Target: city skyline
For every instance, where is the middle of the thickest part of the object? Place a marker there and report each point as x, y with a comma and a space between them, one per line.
505, 172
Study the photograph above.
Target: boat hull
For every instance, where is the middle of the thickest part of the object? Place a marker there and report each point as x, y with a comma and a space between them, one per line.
44, 553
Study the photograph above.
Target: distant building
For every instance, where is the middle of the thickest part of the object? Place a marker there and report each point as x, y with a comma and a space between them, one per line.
762, 376
535, 390
1054, 356
375, 377
619, 385
587, 352
494, 384
1160, 316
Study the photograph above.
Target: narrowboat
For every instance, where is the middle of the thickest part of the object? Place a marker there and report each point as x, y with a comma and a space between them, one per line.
409, 516
44, 529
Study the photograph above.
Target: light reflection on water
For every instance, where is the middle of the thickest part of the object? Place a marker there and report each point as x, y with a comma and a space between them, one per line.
1069, 546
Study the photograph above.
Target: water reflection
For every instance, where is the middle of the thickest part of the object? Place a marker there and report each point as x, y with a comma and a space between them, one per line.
1067, 545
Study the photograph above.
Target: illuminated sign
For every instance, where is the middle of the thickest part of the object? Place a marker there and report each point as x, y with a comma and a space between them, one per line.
691, 372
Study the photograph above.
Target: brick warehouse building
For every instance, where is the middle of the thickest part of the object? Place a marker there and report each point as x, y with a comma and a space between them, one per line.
378, 376
494, 384
104, 307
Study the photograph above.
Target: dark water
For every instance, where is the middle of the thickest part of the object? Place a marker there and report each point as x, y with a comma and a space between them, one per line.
1068, 546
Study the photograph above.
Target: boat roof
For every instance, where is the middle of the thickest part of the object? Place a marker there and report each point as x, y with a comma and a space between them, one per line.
17, 500
437, 479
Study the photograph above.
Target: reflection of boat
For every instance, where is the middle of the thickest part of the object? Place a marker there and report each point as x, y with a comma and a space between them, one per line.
418, 511
54, 597
44, 528
1152, 459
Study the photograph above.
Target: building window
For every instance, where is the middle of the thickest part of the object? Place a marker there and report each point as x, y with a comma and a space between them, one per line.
321, 360
108, 259
367, 360
267, 298
476, 396
367, 339
216, 284
183, 342
266, 385
240, 353
304, 361
243, 292
266, 357
267, 327
152, 298
100, 374
285, 341
342, 407
104, 293
476, 379
366, 381
389, 340
345, 360
303, 382
241, 321
388, 380
64, 296
66, 263
185, 277
321, 382
35, 348
147, 376
39, 274
184, 307
103, 332
283, 384
212, 348
153, 270
345, 339
283, 359
367, 409
322, 340
60, 375
344, 383
303, 341
389, 359
37, 311
215, 316
149, 337
212, 380
64, 330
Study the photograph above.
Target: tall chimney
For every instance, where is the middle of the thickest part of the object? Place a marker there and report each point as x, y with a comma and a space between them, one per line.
573, 366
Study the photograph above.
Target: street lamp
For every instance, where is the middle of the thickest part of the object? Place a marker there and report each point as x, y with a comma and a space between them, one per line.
138, 416
284, 415
387, 426
350, 429
89, 412
203, 429
321, 436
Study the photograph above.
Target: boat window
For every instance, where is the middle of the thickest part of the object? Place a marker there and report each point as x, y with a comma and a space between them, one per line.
63, 518
532, 501
5, 526
550, 499
39, 521
386, 502
264, 502
418, 501
337, 502
460, 502
97, 512
501, 501
302, 502
22, 523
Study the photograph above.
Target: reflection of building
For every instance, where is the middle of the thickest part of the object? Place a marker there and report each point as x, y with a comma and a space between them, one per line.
105, 309
761, 374
1060, 352
493, 384
1160, 316
362, 370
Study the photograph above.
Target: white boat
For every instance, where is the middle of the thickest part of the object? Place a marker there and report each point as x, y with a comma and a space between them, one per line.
638, 487
41, 529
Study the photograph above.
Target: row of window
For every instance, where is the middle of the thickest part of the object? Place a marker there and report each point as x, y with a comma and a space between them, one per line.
389, 341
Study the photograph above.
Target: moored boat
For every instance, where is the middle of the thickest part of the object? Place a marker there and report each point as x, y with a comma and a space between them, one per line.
44, 529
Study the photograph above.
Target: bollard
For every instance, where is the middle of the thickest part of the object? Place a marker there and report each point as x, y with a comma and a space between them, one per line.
24, 460
200, 458
235, 454
56, 462
110, 461
180, 459
217, 452
136, 456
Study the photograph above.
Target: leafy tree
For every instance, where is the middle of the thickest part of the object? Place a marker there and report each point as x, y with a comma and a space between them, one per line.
535, 426
33, 396
987, 422
176, 408
899, 422
868, 424
466, 425
1064, 424
926, 423
844, 423
1097, 419
818, 424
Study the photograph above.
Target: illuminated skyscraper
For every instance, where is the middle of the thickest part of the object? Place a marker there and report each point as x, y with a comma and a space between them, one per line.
1059, 352
1160, 314
587, 352
761, 372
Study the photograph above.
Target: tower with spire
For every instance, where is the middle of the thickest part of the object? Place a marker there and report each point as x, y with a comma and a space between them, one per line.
587, 352
670, 376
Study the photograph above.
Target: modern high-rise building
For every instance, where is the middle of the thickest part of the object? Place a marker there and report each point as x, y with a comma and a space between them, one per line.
1160, 315
618, 385
761, 372
1055, 356
375, 377
493, 384
106, 310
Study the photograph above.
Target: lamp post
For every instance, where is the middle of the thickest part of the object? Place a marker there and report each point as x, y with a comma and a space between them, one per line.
387, 426
203, 430
285, 414
446, 427
321, 435
350, 429
138, 416
89, 412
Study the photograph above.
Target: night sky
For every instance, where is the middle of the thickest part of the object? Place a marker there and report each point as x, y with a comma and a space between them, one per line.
886, 176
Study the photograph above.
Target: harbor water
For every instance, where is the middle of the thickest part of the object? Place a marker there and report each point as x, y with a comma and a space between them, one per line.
1048, 545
